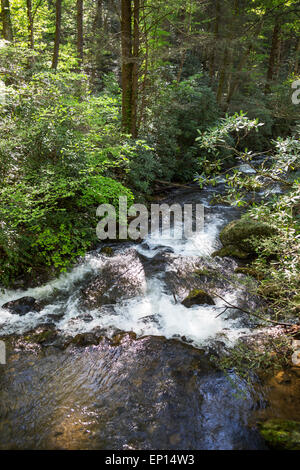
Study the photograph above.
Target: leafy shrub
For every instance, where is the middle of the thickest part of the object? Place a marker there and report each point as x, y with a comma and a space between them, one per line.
60, 156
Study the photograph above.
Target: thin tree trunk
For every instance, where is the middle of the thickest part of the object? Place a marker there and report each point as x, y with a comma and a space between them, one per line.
145, 74
297, 57
7, 30
273, 54
98, 17
57, 34
127, 65
235, 83
30, 24
135, 67
223, 74
216, 40
79, 8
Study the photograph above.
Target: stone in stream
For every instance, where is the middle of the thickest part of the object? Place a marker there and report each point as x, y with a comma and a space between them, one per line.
23, 306
197, 297
296, 358
121, 277
236, 237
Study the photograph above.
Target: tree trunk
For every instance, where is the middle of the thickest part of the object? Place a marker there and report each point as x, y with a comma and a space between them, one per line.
127, 65
273, 54
6, 20
216, 40
297, 57
80, 32
98, 17
223, 74
235, 83
135, 66
57, 34
30, 24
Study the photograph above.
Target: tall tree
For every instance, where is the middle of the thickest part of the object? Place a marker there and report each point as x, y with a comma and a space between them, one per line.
79, 9
7, 30
127, 64
274, 53
135, 67
57, 34
30, 24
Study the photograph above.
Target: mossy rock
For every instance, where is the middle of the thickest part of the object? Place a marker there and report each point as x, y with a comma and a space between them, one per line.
107, 251
41, 337
281, 434
85, 339
197, 297
240, 232
232, 252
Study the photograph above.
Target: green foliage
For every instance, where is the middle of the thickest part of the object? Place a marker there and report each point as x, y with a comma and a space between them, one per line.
247, 360
60, 155
180, 110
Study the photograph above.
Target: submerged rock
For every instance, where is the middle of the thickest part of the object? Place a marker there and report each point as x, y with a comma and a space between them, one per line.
23, 305
122, 393
281, 434
197, 297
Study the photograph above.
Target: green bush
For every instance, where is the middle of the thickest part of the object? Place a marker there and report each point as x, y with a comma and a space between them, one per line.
60, 157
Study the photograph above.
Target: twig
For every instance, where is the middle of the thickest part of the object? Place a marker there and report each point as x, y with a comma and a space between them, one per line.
251, 313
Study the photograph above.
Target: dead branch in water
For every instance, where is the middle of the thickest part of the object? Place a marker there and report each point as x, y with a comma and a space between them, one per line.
251, 313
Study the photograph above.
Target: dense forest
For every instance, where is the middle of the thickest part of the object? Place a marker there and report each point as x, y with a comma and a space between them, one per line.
138, 98
103, 97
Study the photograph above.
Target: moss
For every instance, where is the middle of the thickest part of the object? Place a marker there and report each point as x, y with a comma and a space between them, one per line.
197, 297
231, 251
240, 232
42, 337
202, 272
85, 339
281, 434
106, 250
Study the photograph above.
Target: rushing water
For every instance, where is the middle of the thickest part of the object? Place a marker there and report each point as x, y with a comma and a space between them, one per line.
151, 309
151, 392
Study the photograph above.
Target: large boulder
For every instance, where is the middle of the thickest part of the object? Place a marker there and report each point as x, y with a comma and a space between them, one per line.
197, 297
237, 237
22, 306
281, 434
121, 277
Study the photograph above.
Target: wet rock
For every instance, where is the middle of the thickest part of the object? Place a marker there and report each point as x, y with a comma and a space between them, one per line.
23, 306
85, 339
281, 434
236, 237
197, 297
42, 334
296, 358
122, 277
295, 344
